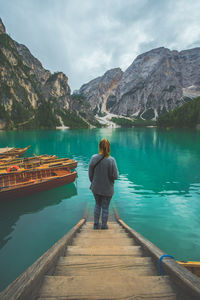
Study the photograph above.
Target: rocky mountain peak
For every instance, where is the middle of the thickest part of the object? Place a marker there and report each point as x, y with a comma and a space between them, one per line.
158, 81
115, 73
32, 97
100, 91
32, 63
2, 27
28, 88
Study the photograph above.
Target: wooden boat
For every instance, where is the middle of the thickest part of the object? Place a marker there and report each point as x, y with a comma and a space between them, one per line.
22, 165
15, 160
117, 263
68, 164
12, 152
20, 184
192, 266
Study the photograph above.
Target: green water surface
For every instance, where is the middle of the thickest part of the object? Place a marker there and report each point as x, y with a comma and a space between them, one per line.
158, 192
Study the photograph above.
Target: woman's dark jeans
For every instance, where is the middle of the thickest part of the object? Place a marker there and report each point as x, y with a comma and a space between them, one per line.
102, 202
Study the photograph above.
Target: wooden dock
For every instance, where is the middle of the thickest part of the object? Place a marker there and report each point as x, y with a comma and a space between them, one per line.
103, 264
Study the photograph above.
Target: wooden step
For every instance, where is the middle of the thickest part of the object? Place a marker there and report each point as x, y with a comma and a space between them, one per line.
109, 231
106, 286
94, 269
102, 234
104, 250
110, 225
166, 297
82, 260
123, 241
85, 265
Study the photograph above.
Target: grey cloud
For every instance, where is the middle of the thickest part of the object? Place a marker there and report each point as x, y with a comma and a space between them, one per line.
86, 38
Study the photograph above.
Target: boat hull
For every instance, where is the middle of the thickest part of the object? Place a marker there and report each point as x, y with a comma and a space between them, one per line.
37, 186
192, 266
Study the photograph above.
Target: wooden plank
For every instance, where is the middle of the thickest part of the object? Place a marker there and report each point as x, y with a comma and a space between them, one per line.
132, 260
100, 234
110, 226
87, 268
182, 278
109, 223
166, 297
192, 266
104, 286
104, 250
104, 269
88, 230
79, 241
78, 264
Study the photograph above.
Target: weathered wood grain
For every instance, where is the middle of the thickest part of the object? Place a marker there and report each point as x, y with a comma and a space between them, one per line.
123, 241
104, 286
129, 259
184, 280
103, 264
104, 268
104, 250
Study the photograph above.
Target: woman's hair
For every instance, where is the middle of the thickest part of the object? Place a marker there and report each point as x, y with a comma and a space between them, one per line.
104, 147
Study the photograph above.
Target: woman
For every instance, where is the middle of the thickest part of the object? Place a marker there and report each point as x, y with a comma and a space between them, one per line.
102, 173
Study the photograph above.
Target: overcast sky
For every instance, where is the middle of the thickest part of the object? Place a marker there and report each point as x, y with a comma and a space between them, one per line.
85, 38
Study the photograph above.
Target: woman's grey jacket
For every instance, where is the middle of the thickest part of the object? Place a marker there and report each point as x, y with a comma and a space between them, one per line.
103, 175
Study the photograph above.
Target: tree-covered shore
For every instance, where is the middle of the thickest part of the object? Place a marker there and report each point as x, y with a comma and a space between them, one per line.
187, 115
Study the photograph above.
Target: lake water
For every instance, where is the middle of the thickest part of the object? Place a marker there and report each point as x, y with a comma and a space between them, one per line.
157, 194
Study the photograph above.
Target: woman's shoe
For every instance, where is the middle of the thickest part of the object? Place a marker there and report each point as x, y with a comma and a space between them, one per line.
96, 226
104, 226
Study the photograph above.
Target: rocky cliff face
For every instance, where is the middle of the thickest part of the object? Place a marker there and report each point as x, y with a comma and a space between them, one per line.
56, 88
101, 91
31, 96
2, 27
41, 74
156, 82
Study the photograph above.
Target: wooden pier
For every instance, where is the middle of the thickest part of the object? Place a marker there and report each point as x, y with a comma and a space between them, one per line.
105, 264
117, 263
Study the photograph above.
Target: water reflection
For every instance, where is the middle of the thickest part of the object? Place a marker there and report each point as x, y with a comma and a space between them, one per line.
156, 160
12, 210
157, 192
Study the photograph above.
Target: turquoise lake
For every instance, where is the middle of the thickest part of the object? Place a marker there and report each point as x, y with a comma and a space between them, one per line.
157, 194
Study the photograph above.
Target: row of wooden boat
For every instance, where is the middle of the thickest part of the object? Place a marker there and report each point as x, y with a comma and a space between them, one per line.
36, 163
17, 160
14, 185
24, 176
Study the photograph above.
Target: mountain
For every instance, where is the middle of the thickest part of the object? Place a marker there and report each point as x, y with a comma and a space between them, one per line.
188, 115
156, 82
32, 97
101, 91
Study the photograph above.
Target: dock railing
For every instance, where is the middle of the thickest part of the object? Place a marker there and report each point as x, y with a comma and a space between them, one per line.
181, 277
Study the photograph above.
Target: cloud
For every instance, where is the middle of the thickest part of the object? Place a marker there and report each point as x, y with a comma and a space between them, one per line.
86, 38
